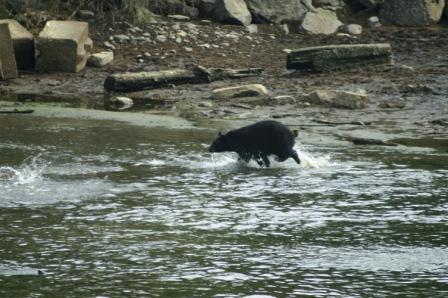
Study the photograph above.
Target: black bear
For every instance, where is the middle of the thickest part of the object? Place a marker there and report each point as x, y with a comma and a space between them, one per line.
257, 141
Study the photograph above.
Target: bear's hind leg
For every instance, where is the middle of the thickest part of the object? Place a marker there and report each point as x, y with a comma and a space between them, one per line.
295, 156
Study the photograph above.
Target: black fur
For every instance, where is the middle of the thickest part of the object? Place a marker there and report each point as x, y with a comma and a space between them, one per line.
257, 141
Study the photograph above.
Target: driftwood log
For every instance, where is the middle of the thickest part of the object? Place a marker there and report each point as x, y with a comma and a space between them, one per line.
128, 82
339, 57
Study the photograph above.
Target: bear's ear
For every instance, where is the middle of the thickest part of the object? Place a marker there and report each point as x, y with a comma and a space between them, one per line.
220, 134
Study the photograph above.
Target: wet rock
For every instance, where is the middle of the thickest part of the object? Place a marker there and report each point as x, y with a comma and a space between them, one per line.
393, 104
23, 43
122, 38
320, 21
109, 45
337, 99
178, 17
63, 46
353, 29
100, 59
86, 14
251, 90
373, 22
119, 103
252, 28
365, 141
8, 66
274, 11
411, 12
340, 57
232, 12
283, 99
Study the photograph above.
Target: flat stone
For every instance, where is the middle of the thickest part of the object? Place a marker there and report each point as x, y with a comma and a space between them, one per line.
8, 66
353, 29
340, 57
23, 43
100, 59
337, 99
63, 46
251, 90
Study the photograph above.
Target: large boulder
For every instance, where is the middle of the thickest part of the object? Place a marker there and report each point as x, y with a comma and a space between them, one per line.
63, 46
23, 42
411, 12
8, 67
320, 21
232, 12
278, 11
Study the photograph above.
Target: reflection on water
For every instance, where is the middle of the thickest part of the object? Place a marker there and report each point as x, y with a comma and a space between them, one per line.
107, 209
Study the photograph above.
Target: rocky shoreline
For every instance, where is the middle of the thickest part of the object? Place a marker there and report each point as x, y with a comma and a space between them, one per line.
406, 100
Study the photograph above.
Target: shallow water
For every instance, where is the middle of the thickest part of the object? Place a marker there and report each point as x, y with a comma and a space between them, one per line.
110, 209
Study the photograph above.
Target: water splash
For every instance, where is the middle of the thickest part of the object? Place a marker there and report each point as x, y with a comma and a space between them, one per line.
28, 173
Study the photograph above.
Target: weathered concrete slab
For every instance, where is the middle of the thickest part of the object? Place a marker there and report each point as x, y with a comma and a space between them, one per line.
63, 46
23, 42
8, 66
340, 57
411, 12
127, 82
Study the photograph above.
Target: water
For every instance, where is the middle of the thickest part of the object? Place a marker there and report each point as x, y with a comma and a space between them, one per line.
109, 209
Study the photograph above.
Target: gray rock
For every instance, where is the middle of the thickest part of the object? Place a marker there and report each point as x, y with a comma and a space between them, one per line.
179, 17
393, 104
109, 45
8, 66
374, 22
278, 11
161, 38
411, 12
23, 43
100, 59
320, 21
63, 46
122, 38
232, 12
337, 99
119, 103
86, 14
251, 90
353, 29
172, 7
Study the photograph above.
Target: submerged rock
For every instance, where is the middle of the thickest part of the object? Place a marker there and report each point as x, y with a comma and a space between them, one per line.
119, 103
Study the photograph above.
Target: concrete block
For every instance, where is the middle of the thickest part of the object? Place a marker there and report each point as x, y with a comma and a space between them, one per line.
8, 66
63, 46
23, 42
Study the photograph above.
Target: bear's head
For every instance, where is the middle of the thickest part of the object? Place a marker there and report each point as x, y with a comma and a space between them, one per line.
220, 144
